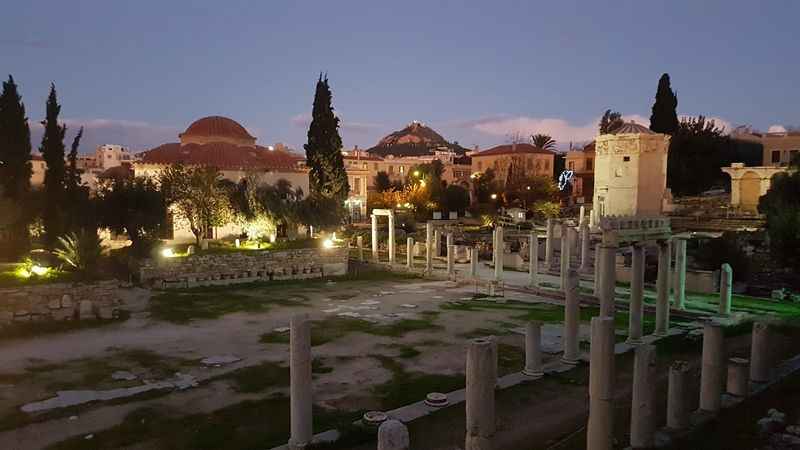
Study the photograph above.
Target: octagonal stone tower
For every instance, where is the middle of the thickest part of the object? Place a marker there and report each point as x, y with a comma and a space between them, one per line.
630, 174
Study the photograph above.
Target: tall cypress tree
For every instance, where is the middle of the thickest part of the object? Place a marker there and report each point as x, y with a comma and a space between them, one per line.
52, 150
327, 177
15, 162
664, 118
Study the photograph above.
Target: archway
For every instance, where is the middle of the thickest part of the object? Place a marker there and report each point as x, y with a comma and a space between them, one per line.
750, 189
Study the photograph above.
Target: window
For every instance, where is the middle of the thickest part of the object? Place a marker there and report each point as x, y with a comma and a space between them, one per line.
589, 164
402, 169
530, 164
546, 164
793, 155
626, 158
391, 169
376, 166
480, 166
571, 165
776, 156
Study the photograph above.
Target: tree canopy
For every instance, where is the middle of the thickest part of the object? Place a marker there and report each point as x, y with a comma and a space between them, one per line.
697, 151
610, 121
544, 141
664, 118
52, 150
327, 176
781, 205
197, 196
134, 206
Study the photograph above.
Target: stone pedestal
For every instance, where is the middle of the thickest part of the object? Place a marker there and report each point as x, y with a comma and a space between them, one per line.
533, 256
760, 353
572, 320
498, 253
548, 244
564, 257
393, 435
451, 260
300, 394
480, 406
410, 253
429, 247
679, 279
637, 293
725, 289
643, 403
360, 245
678, 396
662, 290
586, 239
713, 369
738, 377
533, 350
600, 429
374, 237
608, 279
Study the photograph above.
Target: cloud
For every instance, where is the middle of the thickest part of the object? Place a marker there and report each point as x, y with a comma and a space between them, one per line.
133, 134
776, 129
304, 120
24, 43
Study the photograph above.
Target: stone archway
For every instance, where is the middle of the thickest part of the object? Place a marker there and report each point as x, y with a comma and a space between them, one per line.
750, 186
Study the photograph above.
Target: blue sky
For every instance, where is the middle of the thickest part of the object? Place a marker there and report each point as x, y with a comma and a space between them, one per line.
137, 73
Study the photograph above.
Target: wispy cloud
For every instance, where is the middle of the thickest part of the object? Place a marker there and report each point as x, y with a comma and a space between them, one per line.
304, 120
776, 129
24, 43
133, 134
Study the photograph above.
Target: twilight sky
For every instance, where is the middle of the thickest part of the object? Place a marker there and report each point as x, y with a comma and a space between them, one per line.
138, 72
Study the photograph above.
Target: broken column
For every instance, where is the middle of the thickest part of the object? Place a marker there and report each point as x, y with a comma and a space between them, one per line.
585, 243
596, 281
565, 255
437, 243
410, 253
662, 290
300, 382
548, 244
572, 320
451, 260
738, 377
393, 435
608, 274
712, 373
680, 274
600, 430
360, 245
643, 416
391, 237
533, 256
498, 253
374, 237
429, 247
637, 294
725, 289
678, 396
473, 262
533, 350
480, 406
759, 353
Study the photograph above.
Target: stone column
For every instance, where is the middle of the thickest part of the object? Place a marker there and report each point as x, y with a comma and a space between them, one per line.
738, 377
360, 245
533, 256
677, 396
429, 247
680, 274
300, 382
662, 290
533, 350
586, 239
374, 237
572, 318
565, 255
725, 289
450, 239
608, 279
480, 406
581, 213
712, 373
494, 244
451, 260
410, 253
637, 294
391, 238
600, 430
643, 404
759, 353
498, 254
597, 263
473, 262
393, 435
437, 243
548, 244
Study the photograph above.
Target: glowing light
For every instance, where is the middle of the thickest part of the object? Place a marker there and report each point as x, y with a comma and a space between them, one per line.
237, 243
327, 243
40, 270
494, 196
167, 253
416, 173
422, 183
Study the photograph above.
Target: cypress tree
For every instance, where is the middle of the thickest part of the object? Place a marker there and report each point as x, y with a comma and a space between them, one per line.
327, 177
52, 150
15, 162
664, 118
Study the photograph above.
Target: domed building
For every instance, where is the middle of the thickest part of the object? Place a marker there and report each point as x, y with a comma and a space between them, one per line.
223, 143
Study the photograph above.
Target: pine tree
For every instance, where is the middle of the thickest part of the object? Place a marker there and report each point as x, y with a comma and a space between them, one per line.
72, 177
327, 177
52, 150
610, 121
664, 118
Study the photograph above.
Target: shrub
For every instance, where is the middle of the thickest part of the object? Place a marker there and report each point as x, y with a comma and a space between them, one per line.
80, 252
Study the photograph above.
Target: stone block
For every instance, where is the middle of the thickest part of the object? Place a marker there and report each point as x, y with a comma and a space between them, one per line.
54, 304
86, 310
66, 301
106, 312
6, 317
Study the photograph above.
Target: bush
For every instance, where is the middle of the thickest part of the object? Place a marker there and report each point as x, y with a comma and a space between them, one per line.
80, 252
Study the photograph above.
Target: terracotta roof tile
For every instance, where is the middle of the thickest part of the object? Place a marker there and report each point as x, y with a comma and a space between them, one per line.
509, 149
221, 155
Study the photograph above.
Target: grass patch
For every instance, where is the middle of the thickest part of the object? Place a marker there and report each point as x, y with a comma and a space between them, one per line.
21, 330
182, 307
409, 387
333, 328
510, 359
318, 366
257, 378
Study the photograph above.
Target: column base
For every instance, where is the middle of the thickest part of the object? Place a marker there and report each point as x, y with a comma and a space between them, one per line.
634, 341
533, 374
569, 361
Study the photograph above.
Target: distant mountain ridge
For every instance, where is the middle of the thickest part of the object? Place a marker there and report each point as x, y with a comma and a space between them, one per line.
416, 139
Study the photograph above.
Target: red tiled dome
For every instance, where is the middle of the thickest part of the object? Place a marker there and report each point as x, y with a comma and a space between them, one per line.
222, 128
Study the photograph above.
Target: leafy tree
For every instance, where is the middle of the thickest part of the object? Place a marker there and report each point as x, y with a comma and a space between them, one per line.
327, 176
781, 205
697, 151
52, 150
15, 165
484, 184
72, 177
134, 206
382, 182
79, 212
455, 198
543, 141
197, 196
610, 121
664, 118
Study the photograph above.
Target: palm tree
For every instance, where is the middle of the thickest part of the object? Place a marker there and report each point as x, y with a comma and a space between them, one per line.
543, 141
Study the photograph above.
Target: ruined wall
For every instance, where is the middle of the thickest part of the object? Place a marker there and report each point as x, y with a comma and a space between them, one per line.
59, 301
244, 267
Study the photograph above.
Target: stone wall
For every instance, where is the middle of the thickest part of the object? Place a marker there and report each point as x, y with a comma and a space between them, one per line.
244, 267
59, 301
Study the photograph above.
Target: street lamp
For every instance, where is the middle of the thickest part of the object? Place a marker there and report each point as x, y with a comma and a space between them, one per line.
494, 196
